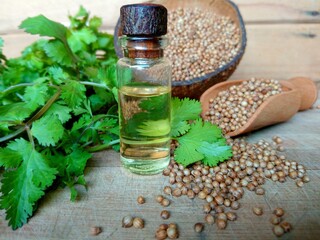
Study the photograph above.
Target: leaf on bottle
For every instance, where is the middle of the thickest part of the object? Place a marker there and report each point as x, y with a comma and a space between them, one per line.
48, 130
22, 187
154, 128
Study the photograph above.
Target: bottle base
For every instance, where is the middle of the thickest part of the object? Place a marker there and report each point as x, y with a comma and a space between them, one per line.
145, 167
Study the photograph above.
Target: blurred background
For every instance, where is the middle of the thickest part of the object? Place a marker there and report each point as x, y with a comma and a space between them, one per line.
283, 36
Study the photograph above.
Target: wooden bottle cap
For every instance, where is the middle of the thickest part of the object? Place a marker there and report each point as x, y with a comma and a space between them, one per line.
143, 20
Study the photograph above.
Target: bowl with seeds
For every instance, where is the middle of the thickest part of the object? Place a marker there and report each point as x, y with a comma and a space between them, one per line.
207, 40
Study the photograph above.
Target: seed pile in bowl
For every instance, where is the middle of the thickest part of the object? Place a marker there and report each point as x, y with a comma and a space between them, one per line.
200, 42
232, 108
222, 187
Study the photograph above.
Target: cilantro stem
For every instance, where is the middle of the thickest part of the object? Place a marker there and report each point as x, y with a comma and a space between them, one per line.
93, 84
11, 88
103, 146
35, 117
27, 128
45, 107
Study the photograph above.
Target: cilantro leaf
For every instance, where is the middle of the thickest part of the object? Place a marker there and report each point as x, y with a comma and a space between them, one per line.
190, 144
57, 52
80, 39
44, 27
215, 152
76, 161
73, 93
36, 95
25, 185
15, 112
183, 110
9, 158
60, 111
48, 130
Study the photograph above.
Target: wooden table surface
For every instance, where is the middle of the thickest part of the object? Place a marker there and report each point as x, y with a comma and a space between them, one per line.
283, 42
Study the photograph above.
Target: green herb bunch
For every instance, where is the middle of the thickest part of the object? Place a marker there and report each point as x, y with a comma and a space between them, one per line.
56, 107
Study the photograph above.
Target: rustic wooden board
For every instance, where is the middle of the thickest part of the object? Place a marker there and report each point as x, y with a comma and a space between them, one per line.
113, 191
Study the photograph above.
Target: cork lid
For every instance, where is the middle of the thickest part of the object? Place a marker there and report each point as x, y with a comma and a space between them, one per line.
143, 19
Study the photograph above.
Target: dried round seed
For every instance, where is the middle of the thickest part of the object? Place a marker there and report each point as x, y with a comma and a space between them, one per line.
279, 212
94, 231
141, 200
165, 214
161, 234
305, 179
167, 190
127, 221
206, 208
172, 232
235, 205
165, 202
257, 211
159, 198
209, 219
260, 191
275, 220
222, 216
176, 192
299, 183
163, 226
278, 231
286, 226
198, 227
138, 223
232, 216
221, 224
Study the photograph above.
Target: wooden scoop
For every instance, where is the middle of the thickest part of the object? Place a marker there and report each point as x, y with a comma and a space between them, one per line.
298, 94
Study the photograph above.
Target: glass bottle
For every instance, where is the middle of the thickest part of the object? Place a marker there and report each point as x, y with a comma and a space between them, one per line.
144, 89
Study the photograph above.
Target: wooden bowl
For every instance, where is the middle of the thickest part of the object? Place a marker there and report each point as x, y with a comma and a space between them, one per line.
195, 87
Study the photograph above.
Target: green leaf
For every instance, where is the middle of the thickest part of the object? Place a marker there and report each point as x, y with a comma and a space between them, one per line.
73, 93
183, 110
36, 95
15, 112
23, 186
215, 152
78, 40
188, 150
60, 111
57, 52
48, 130
9, 158
57, 74
76, 161
44, 27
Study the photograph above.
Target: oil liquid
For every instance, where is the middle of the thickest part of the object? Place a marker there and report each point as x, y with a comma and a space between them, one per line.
145, 128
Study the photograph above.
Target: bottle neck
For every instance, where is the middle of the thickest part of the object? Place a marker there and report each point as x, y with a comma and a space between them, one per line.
143, 47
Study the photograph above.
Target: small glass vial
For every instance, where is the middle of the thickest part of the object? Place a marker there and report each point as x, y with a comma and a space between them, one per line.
144, 89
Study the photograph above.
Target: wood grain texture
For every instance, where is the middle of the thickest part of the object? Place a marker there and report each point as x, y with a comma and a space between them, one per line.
113, 191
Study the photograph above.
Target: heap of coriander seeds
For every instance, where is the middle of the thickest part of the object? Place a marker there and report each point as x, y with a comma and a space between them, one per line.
223, 186
200, 42
232, 108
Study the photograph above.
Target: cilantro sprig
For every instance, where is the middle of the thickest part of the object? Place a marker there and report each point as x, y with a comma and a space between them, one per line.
198, 140
56, 108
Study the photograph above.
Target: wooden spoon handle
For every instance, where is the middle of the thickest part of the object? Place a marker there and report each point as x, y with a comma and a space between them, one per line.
308, 91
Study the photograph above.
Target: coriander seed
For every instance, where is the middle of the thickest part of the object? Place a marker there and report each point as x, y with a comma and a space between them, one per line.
286, 226
94, 231
138, 223
257, 211
198, 227
141, 200
279, 212
127, 221
221, 224
165, 214
278, 230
